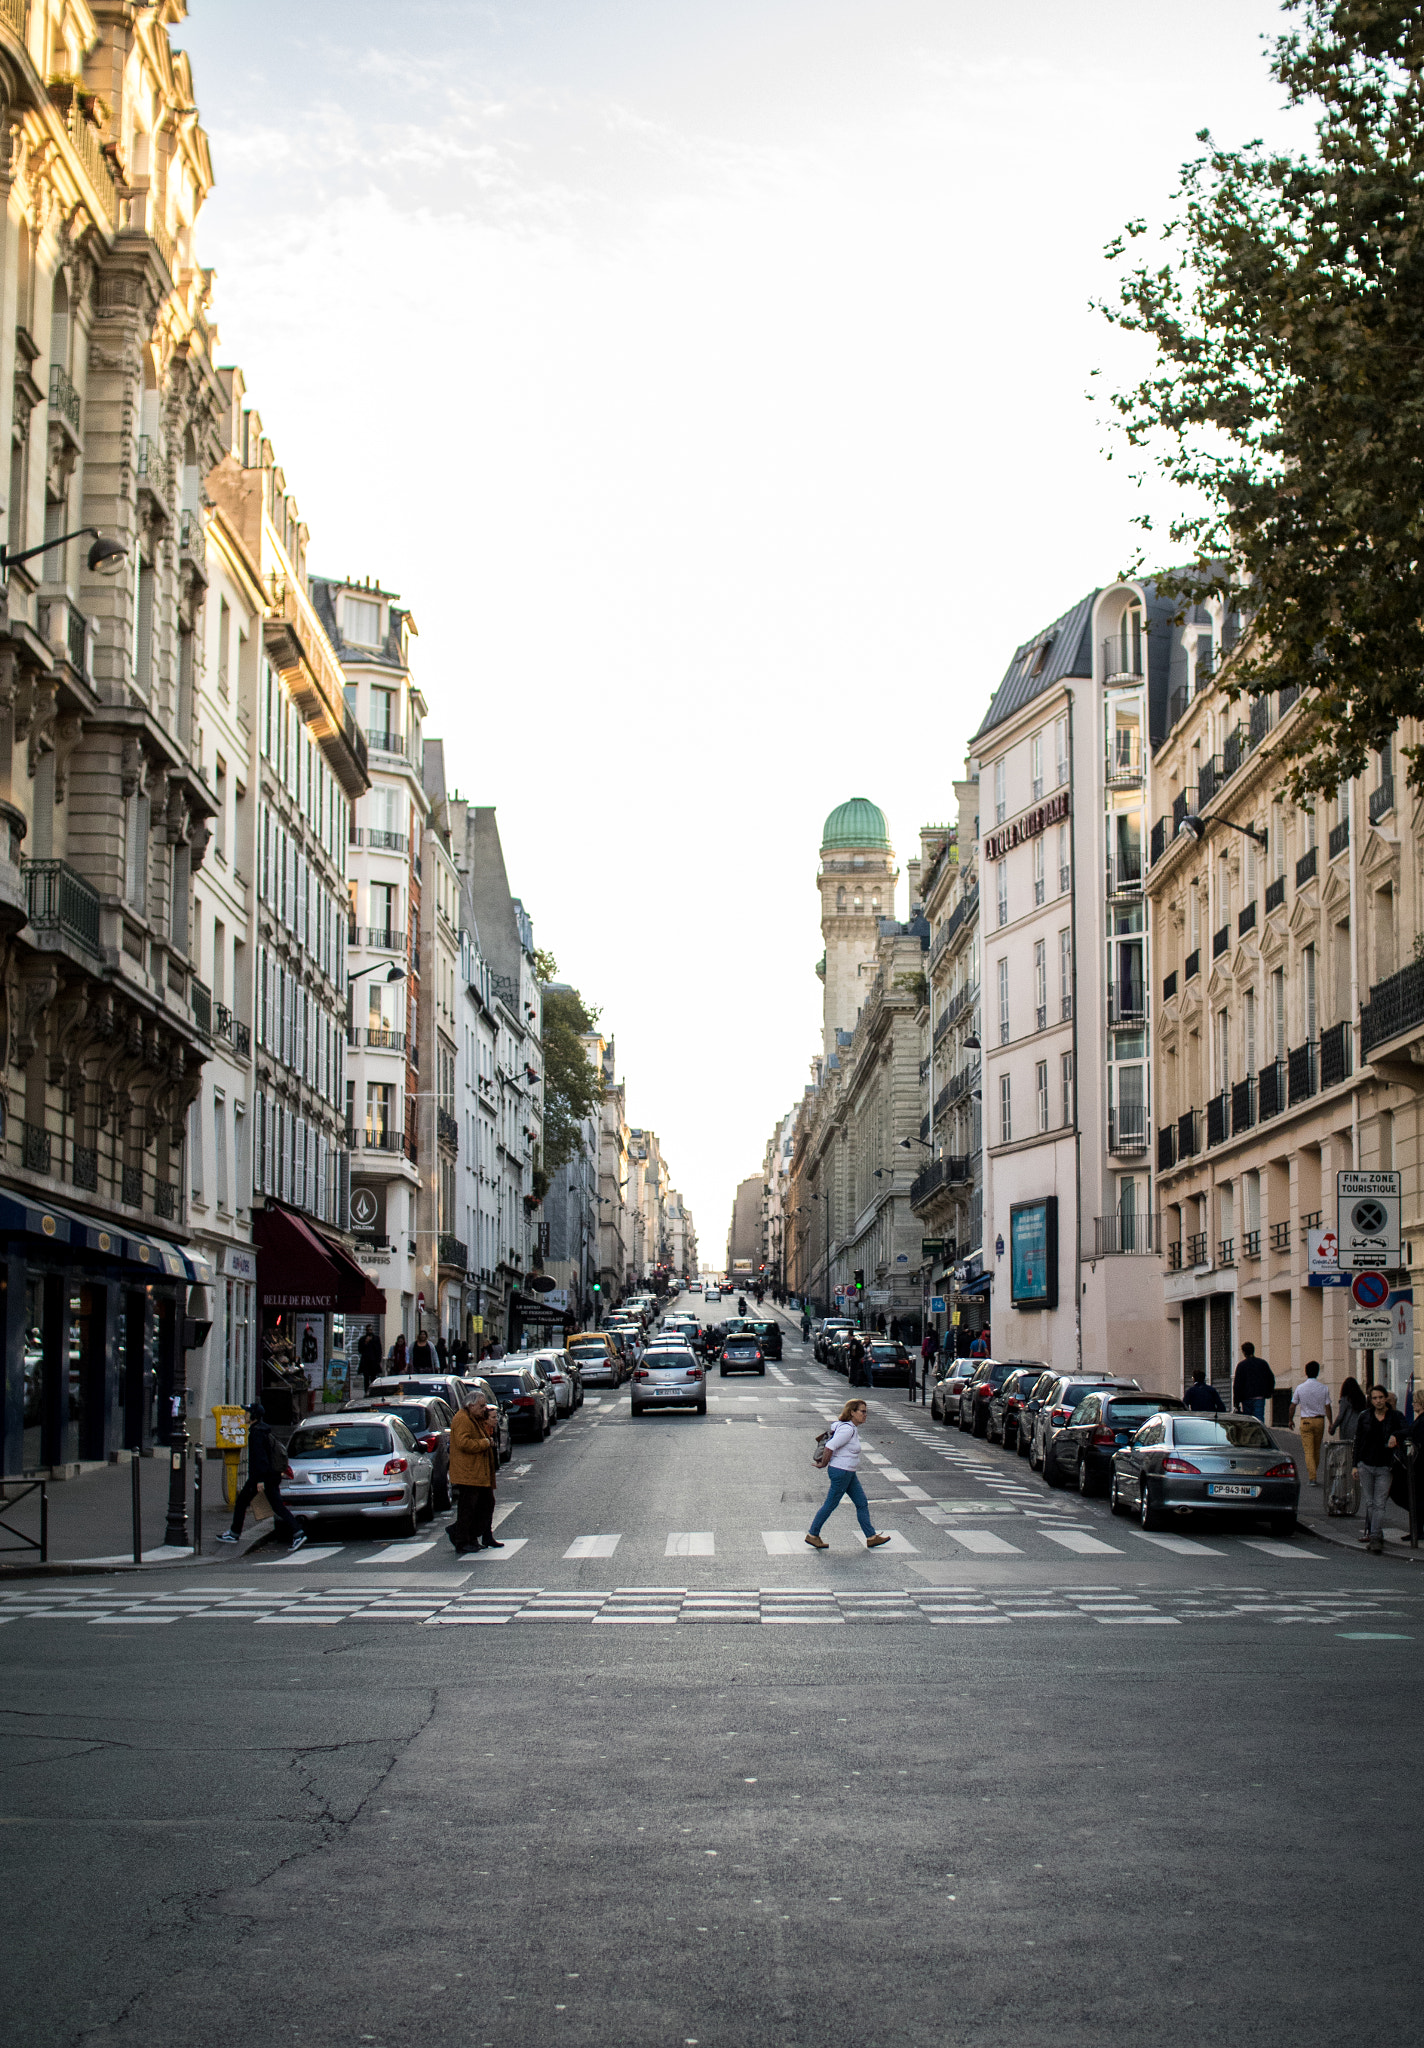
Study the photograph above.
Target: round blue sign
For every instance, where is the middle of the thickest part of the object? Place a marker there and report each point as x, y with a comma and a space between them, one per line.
1371, 1290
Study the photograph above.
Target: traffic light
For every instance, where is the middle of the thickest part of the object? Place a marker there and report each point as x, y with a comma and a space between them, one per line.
598, 1287
860, 1279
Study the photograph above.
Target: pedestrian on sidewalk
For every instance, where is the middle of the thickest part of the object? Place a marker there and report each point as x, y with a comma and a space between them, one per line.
843, 1444
1202, 1395
398, 1357
855, 1362
266, 1462
474, 1460
368, 1354
1339, 1487
1378, 1437
1254, 1384
1311, 1414
422, 1356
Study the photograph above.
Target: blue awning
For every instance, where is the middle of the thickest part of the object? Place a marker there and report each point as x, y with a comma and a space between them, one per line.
54, 1224
982, 1283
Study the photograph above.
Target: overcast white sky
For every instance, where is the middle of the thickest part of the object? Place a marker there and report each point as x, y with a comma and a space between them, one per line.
708, 376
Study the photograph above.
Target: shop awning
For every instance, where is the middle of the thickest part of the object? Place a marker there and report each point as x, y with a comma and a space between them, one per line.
56, 1225
982, 1283
372, 1301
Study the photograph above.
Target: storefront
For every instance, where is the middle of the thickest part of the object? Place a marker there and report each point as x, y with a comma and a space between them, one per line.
309, 1289
93, 1322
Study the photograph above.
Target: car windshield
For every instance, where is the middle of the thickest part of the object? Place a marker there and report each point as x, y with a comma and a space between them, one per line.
405, 1386
1241, 1432
412, 1414
340, 1440
1134, 1411
507, 1382
886, 1350
664, 1360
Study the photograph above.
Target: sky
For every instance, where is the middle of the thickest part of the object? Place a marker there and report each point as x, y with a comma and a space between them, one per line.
710, 377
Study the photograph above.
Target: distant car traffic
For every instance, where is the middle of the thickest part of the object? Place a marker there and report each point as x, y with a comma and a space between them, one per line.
742, 1353
890, 1363
669, 1376
1006, 1405
768, 1332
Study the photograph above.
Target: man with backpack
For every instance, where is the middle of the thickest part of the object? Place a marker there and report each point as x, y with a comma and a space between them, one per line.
266, 1462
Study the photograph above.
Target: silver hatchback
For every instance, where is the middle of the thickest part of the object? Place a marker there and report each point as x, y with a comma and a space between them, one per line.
367, 1465
669, 1376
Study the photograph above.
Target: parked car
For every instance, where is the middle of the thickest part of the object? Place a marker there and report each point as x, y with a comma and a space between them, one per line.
562, 1377
1098, 1428
979, 1391
1182, 1463
450, 1388
825, 1332
1006, 1405
599, 1361
890, 1363
952, 1375
530, 1401
428, 1421
368, 1466
669, 1376
742, 1353
1028, 1411
768, 1332
1055, 1412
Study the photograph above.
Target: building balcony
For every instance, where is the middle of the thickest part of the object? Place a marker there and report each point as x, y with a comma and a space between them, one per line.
200, 1001
376, 1038
1275, 894
390, 743
447, 1129
1339, 838
1188, 1134
1122, 664
1194, 1249
453, 1251
1191, 966
377, 839
1305, 867
1336, 1055
1127, 1004
59, 900
1166, 1147
1271, 1090
1396, 1006
1126, 1235
376, 938
1169, 986
1243, 1105
927, 1183
1128, 1129
63, 398
1157, 845
1220, 941
1304, 1071
959, 1166
1382, 800
1216, 1119
1247, 920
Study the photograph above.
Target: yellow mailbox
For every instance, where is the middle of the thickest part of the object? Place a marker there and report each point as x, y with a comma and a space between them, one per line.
230, 1425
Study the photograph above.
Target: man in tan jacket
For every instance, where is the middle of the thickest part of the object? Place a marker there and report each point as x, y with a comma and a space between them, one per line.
474, 1461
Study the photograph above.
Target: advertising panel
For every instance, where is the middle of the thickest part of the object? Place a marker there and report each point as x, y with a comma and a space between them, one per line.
1033, 1253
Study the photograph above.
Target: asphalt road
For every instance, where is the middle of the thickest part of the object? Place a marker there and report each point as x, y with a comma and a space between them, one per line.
1022, 1776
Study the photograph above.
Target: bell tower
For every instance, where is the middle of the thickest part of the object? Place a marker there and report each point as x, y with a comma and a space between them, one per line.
857, 883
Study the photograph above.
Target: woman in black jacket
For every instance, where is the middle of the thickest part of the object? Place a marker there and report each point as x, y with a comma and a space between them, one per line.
1377, 1437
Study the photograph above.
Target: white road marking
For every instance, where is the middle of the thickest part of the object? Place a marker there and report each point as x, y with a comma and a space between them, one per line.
983, 1542
400, 1553
511, 1544
778, 1374
784, 1542
1080, 1541
503, 1514
1184, 1546
890, 1472
1283, 1549
310, 1553
593, 1546
913, 1492
697, 1543
897, 1546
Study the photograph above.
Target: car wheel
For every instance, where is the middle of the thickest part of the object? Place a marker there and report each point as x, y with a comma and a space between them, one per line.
702, 1407
1115, 1500
1052, 1471
721, 1372
761, 1372
636, 1407
441, 1499
1147, 1515
1085, 1484
975, 1430
408, 1521
1281, 1525
427, 1513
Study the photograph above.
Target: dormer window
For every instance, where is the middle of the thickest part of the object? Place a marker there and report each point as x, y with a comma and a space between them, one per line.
360, 621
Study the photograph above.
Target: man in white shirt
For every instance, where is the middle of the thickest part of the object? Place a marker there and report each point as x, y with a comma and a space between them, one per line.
1310, 1413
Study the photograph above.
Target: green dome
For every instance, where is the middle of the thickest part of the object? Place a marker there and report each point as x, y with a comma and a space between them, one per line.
857, 823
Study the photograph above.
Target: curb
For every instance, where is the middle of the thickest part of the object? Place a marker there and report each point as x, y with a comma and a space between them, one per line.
80, 1570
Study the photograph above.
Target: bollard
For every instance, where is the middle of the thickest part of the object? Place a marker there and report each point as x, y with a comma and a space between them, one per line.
1409, 1464
136, 1470
198, 1500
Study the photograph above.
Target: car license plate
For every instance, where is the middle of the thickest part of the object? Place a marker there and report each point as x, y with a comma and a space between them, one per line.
336, 1478
1217, 1492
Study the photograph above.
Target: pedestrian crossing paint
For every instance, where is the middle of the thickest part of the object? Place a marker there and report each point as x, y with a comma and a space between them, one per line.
593, 1546
473, 1605
698, 1543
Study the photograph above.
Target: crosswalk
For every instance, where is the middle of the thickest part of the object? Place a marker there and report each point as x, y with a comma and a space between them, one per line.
467, 1605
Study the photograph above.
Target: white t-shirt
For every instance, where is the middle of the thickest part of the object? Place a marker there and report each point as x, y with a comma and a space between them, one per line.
1311, 1397
845, 1447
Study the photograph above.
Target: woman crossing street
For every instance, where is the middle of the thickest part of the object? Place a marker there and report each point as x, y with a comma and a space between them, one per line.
843, 1444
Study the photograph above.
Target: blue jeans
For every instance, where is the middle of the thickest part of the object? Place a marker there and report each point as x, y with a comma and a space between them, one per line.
844, 1484
1256, 1408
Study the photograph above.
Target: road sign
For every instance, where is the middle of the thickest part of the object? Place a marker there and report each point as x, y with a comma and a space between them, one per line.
936, 1304
1369, 1329
1401, 1342
1371, 1290
1367, 1221
931, 1247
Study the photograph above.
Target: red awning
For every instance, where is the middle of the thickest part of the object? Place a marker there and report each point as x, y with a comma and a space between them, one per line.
300, 1269
371, 1302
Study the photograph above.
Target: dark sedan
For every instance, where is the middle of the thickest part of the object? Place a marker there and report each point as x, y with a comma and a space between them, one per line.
769, 1336
1185, 1463
1099, 1427
1029, 1405
890, 1363
828, 1333
529, 1403
989, 1375
742, 1353
1006, 1406
952, 1376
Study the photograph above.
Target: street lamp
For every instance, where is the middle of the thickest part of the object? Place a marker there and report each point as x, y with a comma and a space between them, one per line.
104, 556
1195, 828
906, 1143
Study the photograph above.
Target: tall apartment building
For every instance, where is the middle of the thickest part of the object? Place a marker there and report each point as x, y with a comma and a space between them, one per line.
1065, 1010
615, 1263
1289, 1023
106, 347
371, 634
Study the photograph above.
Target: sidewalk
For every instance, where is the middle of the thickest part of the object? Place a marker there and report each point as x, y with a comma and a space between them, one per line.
91, 1518
1344, 1530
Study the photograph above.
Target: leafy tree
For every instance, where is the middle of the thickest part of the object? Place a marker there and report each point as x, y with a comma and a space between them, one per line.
1287, 395
573, 1086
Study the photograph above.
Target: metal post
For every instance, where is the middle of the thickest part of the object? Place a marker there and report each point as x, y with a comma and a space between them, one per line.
44, 1523
1409, 1464
136, 1476
198, 1498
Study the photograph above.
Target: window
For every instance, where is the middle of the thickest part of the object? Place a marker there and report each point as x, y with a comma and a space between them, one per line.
1038, 881
1278, 1013
220, 1195
1036, 768
1065, 863
224, 637
361, 623
1065, 971
1060, 736
1065, 1079
380, 1115
1001, 800
1278, 842
1248, 1032
1308, 963
1250, 895
136, 854
1041, 1076
385, 720
1006, 1111
1003, 1002
1223, 1051
840, 897
1001, 882
1194, 915
1309, 829
195, 1149
1040, 982
1223, 888
220, 821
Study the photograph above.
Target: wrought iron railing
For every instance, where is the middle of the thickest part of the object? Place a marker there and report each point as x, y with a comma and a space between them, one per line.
1395, 1006
200, 999
1382, 800
933, 1176
1127, 1233
63, 398
1339, 838
1169, 986
1304, 1074
1275, 894
1271, 1090
59, 900
447, 1127
385, 742
1188, 1133
453, 1251
1191, 966
1216, 1119
1336, 1054
1166, 1147
1305, 867
1127, 1128
1220, 941
1195, 1248
1243, 1105
1246, 920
